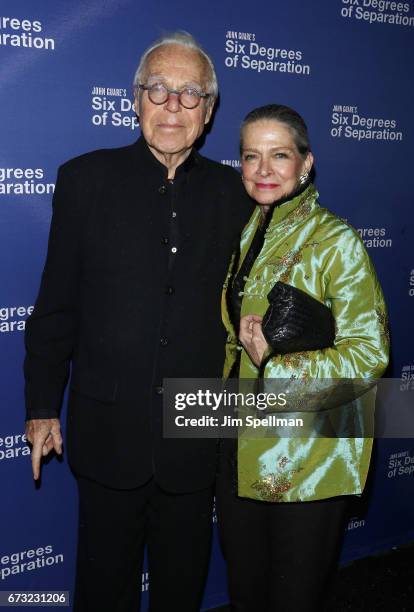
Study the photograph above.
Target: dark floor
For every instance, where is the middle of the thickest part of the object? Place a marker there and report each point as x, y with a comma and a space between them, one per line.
384, 583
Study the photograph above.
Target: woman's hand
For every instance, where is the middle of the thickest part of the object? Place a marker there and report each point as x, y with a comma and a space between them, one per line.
252, 338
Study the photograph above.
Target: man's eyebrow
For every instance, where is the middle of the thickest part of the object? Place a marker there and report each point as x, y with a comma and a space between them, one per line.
163, 79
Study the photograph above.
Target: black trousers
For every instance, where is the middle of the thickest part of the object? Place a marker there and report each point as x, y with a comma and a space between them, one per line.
115, 525
281, 557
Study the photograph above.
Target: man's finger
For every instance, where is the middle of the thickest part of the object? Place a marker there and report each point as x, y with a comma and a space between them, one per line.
29, 433
36, 457
57, 442
53, 440
47, 445
44, 435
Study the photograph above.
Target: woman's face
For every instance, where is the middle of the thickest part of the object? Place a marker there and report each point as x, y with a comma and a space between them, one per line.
271, 163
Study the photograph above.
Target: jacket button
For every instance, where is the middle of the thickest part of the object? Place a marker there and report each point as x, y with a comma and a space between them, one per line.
162, 189
169, 290
163, 341
164, 240
159, 390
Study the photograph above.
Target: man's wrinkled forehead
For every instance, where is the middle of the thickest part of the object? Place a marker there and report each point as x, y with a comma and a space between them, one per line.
176, 63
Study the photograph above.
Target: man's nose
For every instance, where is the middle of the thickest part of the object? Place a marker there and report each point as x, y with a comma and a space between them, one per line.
173, 103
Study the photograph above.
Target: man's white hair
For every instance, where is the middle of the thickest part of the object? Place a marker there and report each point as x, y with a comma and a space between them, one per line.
184, 39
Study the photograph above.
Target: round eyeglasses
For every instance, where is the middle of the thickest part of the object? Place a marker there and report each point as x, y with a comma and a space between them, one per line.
189, 97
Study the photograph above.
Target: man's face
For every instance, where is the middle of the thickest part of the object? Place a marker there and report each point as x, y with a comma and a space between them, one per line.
169, 127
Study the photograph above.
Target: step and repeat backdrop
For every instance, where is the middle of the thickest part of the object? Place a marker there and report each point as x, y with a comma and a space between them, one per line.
66, 70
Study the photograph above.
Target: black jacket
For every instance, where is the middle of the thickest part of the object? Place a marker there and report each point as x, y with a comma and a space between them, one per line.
130, 294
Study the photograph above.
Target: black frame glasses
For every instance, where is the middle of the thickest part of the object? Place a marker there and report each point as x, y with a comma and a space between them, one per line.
188, 97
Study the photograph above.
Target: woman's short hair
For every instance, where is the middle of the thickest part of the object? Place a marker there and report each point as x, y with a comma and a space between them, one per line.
283, 114
183, 39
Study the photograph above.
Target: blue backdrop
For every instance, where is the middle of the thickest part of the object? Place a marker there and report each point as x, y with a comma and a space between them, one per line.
65, 87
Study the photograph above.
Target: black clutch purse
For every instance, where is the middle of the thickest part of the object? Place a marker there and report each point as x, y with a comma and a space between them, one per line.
295, 321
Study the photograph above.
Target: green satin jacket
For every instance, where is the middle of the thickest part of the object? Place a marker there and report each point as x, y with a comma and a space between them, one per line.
312, 249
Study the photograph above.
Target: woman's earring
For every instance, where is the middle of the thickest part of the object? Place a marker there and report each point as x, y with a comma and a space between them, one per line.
303, 178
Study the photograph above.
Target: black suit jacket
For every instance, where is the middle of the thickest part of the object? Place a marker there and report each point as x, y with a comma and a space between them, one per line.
130, 294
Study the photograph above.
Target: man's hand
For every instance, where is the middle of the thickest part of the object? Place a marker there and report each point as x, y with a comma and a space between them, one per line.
43, 434
252, 338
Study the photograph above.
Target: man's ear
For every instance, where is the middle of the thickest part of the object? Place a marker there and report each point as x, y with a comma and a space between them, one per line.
137, 103
209, 111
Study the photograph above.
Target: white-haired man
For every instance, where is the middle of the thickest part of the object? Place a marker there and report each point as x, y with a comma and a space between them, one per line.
138, 249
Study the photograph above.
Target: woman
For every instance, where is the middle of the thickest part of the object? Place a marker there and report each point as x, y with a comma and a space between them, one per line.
281, 524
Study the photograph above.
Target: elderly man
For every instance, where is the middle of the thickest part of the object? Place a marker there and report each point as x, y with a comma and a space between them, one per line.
138, 250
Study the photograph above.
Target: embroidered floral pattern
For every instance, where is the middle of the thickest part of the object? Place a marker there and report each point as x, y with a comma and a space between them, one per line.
283, 461
383, 321
290, 259
295, 360
272, 486
300, 212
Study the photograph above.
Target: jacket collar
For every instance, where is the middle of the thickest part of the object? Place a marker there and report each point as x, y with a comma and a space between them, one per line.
151, 163
284, 217
295, 209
